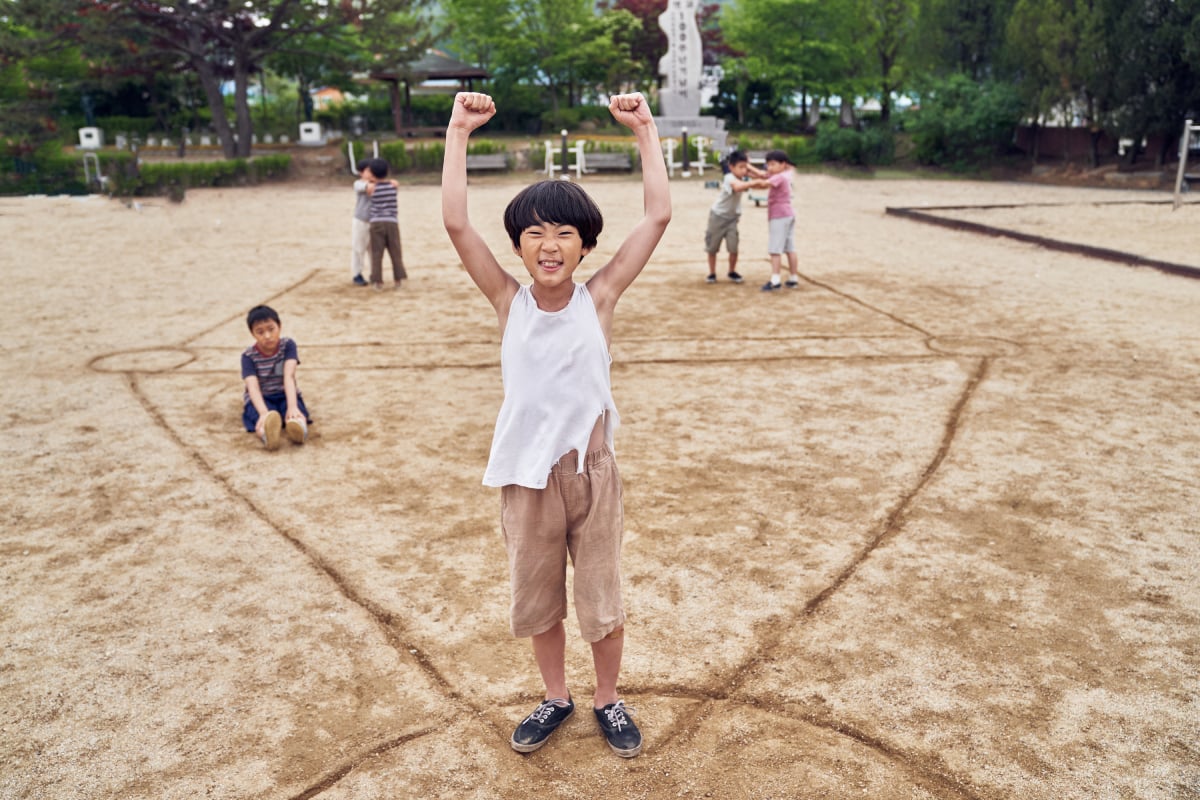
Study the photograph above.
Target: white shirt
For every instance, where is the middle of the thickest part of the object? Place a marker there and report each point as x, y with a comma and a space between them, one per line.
555, 366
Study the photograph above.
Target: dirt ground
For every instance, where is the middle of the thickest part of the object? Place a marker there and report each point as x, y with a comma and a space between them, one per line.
925, 527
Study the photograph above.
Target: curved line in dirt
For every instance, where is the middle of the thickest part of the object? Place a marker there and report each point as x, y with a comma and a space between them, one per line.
268, 301
894, 521
346, 767
394, 632
770, 640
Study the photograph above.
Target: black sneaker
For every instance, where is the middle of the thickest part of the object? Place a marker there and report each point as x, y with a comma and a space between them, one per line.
770, 287
535, 729
711, 279
359, 280
792, 284
733, 276
623, 736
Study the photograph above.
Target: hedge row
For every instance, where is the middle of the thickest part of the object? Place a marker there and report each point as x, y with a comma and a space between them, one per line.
59, 173
423, 157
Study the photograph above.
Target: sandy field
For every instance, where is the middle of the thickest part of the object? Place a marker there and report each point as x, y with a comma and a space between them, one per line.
926, 527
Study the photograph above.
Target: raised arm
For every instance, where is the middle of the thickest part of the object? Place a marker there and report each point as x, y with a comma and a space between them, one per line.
606, 286
471, 110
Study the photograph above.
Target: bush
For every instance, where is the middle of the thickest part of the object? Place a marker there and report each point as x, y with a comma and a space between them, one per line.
865, 148
396, 154
429, 156
963, 123
170, 178
573, 118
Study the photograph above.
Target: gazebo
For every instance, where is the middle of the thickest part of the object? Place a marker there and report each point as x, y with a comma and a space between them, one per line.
433, 66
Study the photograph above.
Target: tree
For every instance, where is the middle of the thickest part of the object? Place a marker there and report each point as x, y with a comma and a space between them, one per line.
40, 64
219, 41
560, 46
1155, 58
804, 46
889, 26
962, 36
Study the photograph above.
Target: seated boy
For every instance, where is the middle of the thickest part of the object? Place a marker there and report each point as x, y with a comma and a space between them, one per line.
272, 402
552, 449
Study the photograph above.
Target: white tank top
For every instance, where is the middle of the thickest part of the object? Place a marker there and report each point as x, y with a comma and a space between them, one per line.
555, 366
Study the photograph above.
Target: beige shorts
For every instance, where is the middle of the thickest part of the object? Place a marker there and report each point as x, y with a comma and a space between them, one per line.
721, 228
577, 515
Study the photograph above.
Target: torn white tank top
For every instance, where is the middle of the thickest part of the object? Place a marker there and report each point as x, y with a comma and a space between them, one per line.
555, 366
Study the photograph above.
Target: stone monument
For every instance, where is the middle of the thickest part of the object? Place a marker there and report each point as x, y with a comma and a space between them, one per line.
682, 66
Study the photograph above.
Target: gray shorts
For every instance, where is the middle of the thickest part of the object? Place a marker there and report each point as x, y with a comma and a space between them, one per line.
721, 228
781, 235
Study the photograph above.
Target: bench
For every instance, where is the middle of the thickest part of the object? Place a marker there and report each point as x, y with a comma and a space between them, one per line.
594, 162
487, 161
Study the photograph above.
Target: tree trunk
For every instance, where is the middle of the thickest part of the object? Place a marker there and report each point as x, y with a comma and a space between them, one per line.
241, 106
216, 103
846, 114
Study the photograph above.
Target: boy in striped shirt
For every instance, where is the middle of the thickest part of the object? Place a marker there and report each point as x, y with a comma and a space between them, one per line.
272, 401
385, 224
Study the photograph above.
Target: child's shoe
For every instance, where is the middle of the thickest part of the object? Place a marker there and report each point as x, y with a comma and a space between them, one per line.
736, 278
792, 283
535, 729
297, 430
272, 425
711, 279
771, 286
359, 280
619, 731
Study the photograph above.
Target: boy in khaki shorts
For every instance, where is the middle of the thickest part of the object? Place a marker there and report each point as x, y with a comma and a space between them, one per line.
726, 211
551, 457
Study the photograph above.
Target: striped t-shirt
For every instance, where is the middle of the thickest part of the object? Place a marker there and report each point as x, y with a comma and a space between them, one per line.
383, 203
268, 369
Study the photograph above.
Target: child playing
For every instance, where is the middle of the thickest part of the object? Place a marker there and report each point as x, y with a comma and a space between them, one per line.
725, 212
385, 224
272, 401
560, 492
360, 226
781, 218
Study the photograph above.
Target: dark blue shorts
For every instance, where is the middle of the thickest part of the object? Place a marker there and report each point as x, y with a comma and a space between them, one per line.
275, 402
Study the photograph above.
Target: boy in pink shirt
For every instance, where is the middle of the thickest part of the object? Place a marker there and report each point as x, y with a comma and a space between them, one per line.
781, 219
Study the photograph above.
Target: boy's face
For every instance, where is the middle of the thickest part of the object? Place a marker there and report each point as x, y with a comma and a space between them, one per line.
740, 169
551, 252
366, 174
776, 167
266, 336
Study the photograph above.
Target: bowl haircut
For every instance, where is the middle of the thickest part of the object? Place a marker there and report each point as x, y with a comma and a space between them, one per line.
553, 203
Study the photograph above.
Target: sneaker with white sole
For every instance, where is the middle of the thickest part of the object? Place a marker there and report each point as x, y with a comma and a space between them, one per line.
619, 731
272, 425
297, 430
535, 729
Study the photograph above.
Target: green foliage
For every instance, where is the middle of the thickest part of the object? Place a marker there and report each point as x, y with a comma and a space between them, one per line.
428, 156
962, 123
396, 154
51, 171
573, 119
163, 177
869, 147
